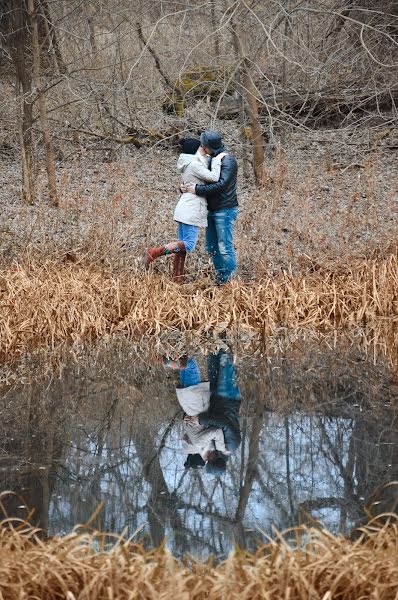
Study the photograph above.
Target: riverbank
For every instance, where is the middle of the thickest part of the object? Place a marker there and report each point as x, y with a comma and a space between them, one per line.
46, 304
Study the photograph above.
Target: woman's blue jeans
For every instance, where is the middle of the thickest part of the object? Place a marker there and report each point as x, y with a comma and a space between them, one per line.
219, 242
190, 375
189, 235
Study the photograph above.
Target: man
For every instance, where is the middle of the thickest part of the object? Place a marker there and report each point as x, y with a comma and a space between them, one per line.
222, 204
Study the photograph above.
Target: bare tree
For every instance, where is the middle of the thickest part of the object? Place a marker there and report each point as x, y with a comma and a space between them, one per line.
250, 94
14, 33
36, 70
101, 77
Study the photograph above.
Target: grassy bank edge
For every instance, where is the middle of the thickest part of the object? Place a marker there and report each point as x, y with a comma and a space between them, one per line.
53, 302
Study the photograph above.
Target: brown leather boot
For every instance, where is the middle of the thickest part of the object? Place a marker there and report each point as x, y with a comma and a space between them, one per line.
178, 267
156, 251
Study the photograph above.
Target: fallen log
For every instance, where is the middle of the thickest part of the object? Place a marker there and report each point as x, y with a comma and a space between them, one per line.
317, 108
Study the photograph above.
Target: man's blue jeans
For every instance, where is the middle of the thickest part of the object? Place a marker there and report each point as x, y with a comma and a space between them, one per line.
219, 242
222, 375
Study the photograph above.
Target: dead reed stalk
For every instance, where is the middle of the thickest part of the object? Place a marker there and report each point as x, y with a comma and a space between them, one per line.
43, 305
317, 565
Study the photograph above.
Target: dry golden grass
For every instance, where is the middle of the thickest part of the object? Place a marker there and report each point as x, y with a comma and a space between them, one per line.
43, 305
321, 566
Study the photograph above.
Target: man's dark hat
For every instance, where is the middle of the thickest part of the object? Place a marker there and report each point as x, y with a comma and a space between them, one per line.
211, 139
218, 466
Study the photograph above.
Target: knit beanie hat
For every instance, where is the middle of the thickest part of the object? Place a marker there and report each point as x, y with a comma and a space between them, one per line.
211, 139
189, 145
194, 461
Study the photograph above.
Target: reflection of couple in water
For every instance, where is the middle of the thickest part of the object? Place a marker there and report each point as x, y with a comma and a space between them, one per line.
211, 412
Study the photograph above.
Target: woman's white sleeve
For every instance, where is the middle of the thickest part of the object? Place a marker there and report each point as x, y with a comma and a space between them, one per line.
219, 440
205, 174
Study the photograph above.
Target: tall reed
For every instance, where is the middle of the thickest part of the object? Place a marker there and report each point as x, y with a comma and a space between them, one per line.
318, 565
43, 305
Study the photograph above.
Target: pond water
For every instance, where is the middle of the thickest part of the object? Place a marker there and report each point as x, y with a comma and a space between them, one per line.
303, 437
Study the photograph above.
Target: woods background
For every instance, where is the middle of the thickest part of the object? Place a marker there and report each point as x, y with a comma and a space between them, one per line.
97, 92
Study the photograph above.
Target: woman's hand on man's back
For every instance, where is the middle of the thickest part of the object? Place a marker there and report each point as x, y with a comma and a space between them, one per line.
191, 420
188, 187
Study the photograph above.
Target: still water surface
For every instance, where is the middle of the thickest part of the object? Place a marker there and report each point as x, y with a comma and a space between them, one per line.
305, 437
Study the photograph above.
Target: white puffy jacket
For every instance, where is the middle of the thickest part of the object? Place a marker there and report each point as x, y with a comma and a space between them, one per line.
194, 400
197, 440
192, 209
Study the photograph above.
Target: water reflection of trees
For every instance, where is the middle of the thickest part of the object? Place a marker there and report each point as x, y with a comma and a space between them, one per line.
317, 443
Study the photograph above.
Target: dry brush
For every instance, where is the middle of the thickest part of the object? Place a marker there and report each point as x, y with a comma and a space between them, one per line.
315, 564
45, 305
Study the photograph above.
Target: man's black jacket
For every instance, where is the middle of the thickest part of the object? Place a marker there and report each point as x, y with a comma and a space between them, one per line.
223, 414
222, 193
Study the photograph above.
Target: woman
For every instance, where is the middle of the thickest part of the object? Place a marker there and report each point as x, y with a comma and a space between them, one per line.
191, 210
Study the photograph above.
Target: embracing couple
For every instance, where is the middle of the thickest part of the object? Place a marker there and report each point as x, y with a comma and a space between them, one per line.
211, 423
209, 199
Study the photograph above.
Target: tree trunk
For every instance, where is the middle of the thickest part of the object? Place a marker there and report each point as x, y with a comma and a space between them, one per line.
25, 136
17, 35
284, 77
241, 101
91, 29
250, 93
51, 38
175, 92
214, 26
252, 461
50, 162
257, 134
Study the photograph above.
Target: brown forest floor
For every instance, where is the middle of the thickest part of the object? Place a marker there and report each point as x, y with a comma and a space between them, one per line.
330, 198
